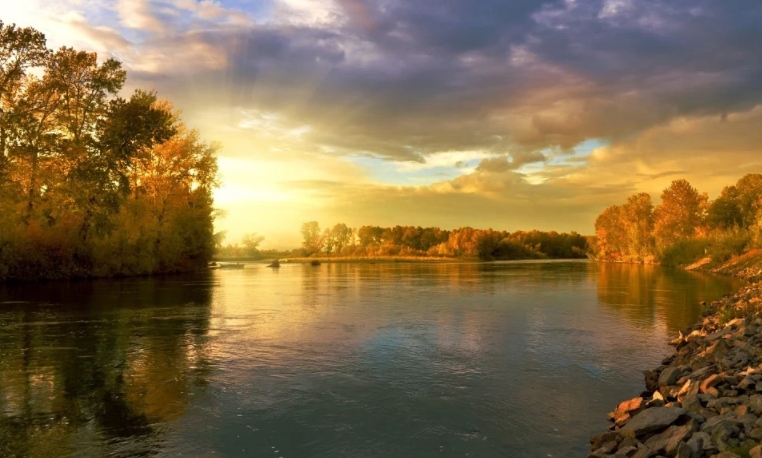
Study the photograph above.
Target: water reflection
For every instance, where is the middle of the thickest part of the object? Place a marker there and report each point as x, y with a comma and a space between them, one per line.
648, 295
87, 367
502, 359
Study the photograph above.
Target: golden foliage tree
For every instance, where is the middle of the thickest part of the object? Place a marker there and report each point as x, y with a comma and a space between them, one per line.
680, 215
92, 183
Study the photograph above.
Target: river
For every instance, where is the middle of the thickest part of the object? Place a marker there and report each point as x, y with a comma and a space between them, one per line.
514, 359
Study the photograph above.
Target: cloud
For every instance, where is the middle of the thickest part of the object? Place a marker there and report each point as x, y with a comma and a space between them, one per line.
500, 92
138, 14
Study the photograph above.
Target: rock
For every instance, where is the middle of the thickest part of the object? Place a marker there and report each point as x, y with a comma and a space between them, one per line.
746, 421
698, 373
696, 443
756, 452
710, 382
633, 405
718, 334
690, 387
625, 452
755, 433
669, 439
755, 403
691, 403
727, 454
669, 376
643, 452
653, 419
628, 441
597, 441
742, 410
652, 380
721, 433
683, 451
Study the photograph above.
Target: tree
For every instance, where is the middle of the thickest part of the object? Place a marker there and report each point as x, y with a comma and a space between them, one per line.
637, 220
20, 49
312, 241
610, 236
251, 243
368, 235
680, 214
749, 189
340, 237
725, 211
92, 183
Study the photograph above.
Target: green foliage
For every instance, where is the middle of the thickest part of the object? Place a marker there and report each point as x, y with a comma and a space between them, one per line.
726, 244
684, 252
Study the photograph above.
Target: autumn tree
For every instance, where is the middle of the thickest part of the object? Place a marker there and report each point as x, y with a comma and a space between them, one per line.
610, 236
680, 214
92, 183
20, 49
312, 239
637, 216
251, 243
341, 237
725, 211
367, 235
749, 197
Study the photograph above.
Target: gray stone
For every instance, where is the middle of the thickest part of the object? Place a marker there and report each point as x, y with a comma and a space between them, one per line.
755, 403
670, 438
691, 403
653, 419
727, 454
696, 443
626, 452
683, 451
669, 376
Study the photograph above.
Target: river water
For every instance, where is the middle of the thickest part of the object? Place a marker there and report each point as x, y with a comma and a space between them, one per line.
519, 359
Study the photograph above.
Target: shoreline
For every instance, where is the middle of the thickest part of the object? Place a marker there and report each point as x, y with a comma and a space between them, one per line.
705, 399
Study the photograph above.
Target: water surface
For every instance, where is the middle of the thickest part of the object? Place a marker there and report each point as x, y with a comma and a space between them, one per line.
342, 360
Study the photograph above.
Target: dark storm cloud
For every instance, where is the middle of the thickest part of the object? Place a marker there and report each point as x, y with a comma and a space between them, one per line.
404, 79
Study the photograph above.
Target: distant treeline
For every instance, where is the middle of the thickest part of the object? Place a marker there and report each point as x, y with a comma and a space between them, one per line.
685, 227
92, 184
341, 240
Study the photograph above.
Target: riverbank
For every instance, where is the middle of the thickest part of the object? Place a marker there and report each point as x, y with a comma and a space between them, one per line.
705, 400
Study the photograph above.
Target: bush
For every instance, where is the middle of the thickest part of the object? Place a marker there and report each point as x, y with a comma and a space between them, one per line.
685, 252
726, 244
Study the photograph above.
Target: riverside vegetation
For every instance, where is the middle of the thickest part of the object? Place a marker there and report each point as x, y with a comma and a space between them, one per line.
705, 400
93, 184
685, 227
419, 243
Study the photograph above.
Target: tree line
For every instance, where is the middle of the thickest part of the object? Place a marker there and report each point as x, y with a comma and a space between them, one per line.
485, 244
684, 227
91, 183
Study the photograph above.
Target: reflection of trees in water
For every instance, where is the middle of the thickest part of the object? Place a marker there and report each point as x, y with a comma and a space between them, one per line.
647, 295
476, 275
86, 361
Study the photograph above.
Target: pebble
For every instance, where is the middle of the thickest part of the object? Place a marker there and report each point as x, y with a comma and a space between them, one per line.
715, 371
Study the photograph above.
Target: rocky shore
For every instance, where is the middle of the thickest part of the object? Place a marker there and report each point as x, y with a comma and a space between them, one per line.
705, 400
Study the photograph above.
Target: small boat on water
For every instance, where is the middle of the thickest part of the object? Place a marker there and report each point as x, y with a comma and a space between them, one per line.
315, 263
275, 264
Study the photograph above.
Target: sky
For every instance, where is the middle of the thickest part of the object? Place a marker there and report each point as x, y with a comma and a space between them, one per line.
522, 114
